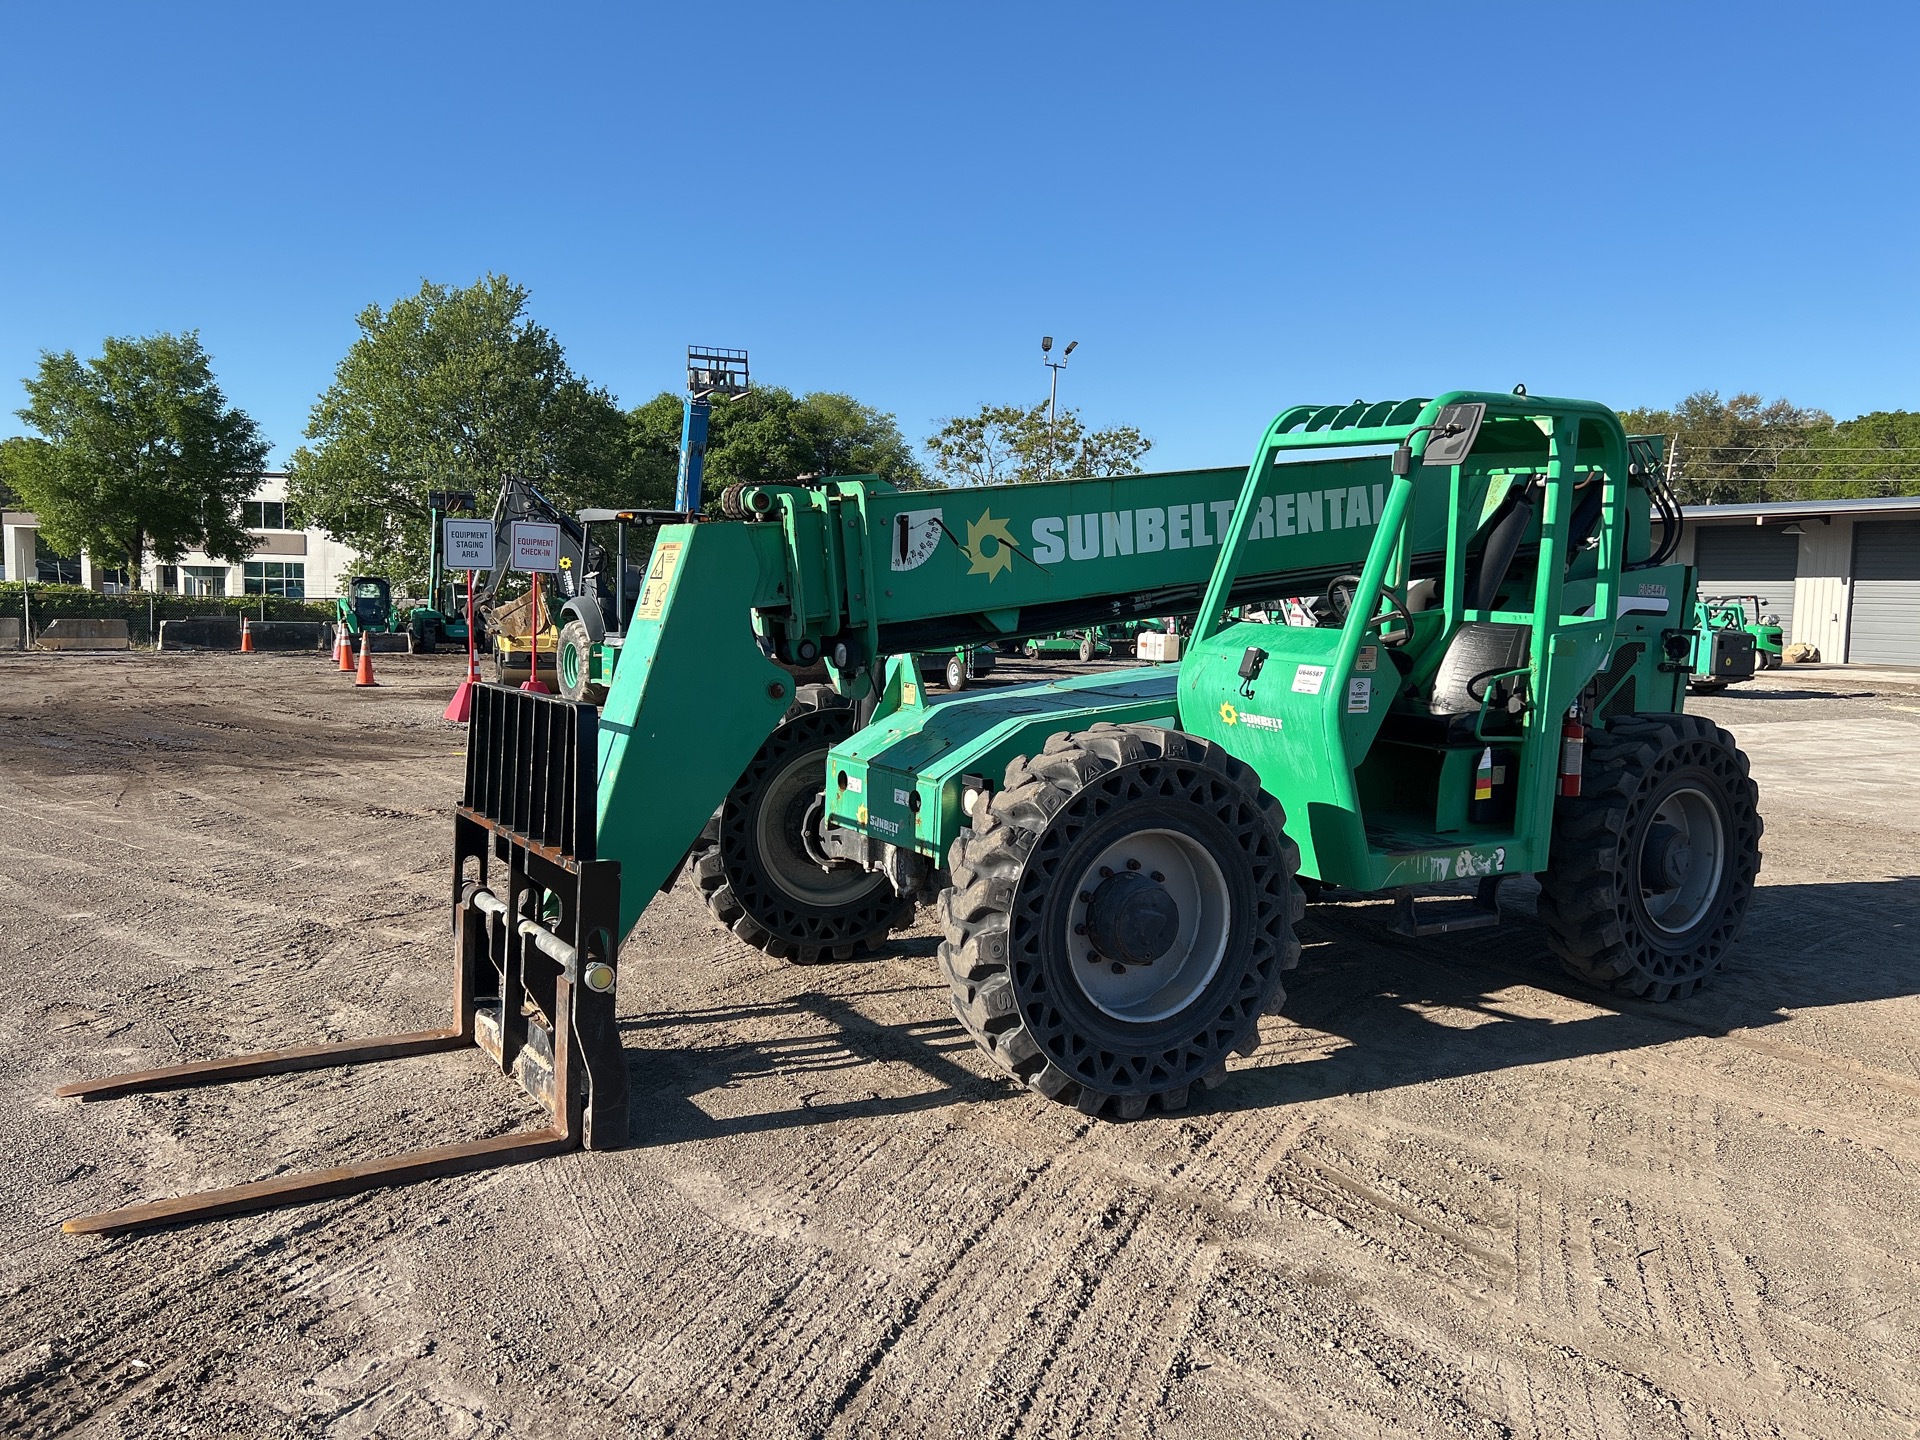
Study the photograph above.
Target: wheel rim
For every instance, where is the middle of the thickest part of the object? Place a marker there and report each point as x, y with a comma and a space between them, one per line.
1119, 919
1682, 854
777, 830
955, 673
569, 667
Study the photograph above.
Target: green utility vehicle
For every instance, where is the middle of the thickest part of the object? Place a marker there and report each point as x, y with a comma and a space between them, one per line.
1726, 648
1494, 688
1769, 636
367, 607
442, 618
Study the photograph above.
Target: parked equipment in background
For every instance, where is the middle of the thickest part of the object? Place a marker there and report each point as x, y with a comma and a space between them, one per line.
1088, 643
710, 374
367, 607
957, 668
442, 619
1113, 856
1726, 650
1769, 635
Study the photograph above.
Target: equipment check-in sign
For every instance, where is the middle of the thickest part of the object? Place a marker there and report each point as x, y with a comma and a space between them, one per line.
535, 547
468, 544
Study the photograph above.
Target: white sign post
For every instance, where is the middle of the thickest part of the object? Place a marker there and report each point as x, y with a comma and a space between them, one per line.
534, 547
468, 544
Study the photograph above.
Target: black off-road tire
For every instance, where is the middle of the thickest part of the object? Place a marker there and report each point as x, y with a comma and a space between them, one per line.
738, 882
575, 638
1592, 898
423, 637
1006, 952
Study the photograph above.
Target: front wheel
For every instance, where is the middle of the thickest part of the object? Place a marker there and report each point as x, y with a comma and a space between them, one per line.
752, 863
574, 665
956, 672
1121, 917
1087, 649
1653, 864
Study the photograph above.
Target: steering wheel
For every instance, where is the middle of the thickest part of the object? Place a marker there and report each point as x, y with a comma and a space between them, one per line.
1340, 592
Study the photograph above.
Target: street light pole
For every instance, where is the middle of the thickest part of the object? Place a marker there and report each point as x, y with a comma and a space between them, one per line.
1053, 384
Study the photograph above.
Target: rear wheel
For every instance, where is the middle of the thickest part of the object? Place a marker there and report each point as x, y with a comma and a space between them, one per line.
1121, 917
956, 672
424, 635
1033, 650
1087, 649
752, 864
574, 665
1653, 863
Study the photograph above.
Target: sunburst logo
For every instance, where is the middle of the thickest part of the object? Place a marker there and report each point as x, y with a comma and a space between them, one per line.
1228, 715
989, 563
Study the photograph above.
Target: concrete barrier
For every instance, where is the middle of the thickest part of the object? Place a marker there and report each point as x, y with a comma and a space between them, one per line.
76, 633
9, 633
222, 632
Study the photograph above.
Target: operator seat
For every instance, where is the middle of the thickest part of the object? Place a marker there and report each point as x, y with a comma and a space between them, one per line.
1477, 651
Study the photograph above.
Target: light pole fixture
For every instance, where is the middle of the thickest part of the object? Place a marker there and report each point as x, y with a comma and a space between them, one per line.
1056, 366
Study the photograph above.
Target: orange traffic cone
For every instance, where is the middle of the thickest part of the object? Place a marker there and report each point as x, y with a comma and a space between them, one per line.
343, 650
246, 637
365, 677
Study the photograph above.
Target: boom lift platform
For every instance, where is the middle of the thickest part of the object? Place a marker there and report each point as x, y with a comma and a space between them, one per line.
1116, 857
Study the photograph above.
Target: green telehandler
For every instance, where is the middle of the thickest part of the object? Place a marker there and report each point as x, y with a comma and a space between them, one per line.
1491, 685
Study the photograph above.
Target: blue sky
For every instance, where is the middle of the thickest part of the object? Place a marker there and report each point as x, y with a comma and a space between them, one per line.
1232, 208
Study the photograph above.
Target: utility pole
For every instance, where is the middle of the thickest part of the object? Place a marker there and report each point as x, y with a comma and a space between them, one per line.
1056, 366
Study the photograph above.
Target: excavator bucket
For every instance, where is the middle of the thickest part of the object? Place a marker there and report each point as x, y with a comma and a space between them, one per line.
535, 964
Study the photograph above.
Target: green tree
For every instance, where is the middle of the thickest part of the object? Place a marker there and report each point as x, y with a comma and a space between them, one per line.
451, 387
140, 453
1876, 454
1008, 444
1737, 449
769, 435
17, 452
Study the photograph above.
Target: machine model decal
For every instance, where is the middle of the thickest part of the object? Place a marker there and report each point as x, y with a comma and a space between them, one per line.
990, 563
916, 535
1308, 679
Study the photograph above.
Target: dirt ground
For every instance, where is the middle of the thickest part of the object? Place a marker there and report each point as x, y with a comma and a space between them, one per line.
1451, 1196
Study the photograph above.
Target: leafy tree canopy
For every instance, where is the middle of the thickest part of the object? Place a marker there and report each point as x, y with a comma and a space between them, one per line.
1009, 444
451, 388
768, 435
1740, 448
140, 453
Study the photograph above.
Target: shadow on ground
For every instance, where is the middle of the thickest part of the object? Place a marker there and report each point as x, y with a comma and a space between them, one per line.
1381, 993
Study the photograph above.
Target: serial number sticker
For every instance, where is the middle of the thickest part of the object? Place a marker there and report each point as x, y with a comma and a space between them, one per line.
899, 797
1365, 659
853, 783
1359, 695
1308, 679
909, 694
653, 599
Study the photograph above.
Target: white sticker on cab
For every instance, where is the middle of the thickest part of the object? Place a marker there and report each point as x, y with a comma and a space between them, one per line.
1359, 695
1307, 679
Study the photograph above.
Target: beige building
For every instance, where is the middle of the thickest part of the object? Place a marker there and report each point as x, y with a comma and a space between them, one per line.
1843, 575
286, 560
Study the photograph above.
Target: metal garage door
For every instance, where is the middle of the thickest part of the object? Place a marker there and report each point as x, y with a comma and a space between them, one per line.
1749, 560
1886, 593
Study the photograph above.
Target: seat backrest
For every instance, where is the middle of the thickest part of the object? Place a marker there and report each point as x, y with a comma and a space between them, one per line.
1479, 650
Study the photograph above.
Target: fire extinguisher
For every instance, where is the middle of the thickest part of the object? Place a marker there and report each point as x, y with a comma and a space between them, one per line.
1573, 751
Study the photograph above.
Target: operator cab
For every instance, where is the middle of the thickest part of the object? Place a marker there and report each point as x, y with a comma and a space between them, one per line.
372, 601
